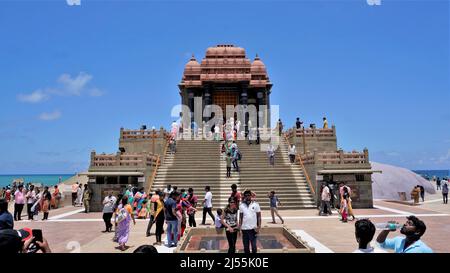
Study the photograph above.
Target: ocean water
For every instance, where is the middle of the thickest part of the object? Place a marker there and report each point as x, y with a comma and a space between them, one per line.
45, 179
431, 173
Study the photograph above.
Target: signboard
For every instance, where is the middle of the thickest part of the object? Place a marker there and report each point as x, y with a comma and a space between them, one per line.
141, 179
319, 177
91, 180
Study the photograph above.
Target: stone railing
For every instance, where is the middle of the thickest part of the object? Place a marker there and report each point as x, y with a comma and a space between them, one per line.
338, 157
123, 160
308, 132
142, 134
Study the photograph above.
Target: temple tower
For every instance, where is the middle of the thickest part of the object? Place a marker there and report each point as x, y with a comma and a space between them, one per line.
227, 77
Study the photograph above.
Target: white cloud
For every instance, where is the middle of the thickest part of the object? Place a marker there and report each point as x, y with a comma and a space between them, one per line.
74, 86
95, 92
392, 154
35, 97
445, 158
50, 116
67, 86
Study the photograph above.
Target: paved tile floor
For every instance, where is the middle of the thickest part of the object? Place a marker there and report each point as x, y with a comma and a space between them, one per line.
75, 231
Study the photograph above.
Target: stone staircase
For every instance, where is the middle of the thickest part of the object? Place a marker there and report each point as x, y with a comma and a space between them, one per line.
288, 181
198, 163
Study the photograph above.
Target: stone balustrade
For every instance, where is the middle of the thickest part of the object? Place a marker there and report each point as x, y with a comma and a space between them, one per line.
309, 132
126, 134
123, 160
339, 157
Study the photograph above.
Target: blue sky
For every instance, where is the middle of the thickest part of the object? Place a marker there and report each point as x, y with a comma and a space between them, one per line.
71, 76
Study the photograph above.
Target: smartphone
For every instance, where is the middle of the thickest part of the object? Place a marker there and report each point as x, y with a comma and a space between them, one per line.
37, 234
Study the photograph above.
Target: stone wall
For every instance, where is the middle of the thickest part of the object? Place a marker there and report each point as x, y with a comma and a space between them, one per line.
143, 141
314, 140
361, 189
99, 191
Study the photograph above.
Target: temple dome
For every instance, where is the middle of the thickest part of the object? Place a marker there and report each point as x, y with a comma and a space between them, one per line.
192, 63
258, 65
192, 67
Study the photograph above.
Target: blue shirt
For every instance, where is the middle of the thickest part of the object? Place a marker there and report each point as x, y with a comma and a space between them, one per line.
170, 204
398, 244
273, 201
6, 220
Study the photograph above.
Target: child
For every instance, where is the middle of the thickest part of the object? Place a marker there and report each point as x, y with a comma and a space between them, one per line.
143, 212
218, 220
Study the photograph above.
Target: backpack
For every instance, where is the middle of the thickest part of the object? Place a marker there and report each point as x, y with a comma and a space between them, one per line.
239, 155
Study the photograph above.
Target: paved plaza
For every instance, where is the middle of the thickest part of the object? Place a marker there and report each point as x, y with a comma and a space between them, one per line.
71, 230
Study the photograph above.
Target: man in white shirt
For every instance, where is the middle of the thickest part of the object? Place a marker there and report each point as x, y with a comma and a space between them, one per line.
31, 199
167, 191
108, 209
207, 205
249, 221
325, 208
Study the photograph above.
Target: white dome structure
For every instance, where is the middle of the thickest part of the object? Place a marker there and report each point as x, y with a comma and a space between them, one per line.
393, 179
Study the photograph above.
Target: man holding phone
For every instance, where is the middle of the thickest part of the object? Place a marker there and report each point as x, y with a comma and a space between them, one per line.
250, 221
23, 241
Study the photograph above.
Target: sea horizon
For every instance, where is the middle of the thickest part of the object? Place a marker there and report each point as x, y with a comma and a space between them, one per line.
45, 179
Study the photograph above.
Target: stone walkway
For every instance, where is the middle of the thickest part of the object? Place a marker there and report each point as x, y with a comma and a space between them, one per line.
70, 230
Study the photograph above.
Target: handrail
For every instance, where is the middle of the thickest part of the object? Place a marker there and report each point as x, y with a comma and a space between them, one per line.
299, 158
158, 161
152, 178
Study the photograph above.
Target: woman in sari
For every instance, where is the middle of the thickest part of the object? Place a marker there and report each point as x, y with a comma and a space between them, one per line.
143, 209
344, 204
56, 197
159, 218
45, 203
124, 217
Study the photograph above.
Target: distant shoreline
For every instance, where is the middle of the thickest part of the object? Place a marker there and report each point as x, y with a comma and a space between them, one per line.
46, 179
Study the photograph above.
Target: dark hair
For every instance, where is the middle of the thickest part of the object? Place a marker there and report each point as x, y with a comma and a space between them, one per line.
207, 188
169, 186
182, 190
119, 198
124, 200
247, 192
3, 205
234, 186
219, 212
364, 231
418, 224
272, 192
146, 249
174, 194
191, 190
